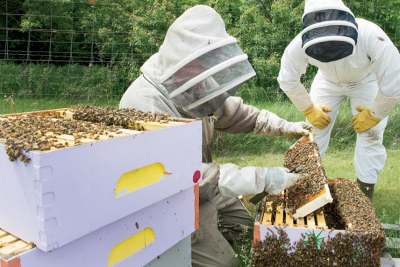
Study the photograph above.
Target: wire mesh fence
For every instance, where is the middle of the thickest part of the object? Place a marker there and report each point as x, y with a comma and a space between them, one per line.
57, 53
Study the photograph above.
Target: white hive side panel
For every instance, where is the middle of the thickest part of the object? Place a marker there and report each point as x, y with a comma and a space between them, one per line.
67, 193
135, 240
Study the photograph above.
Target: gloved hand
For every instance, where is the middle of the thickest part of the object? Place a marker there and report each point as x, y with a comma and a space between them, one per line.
363, 120
235, 181
317, 116
278, 179
296, 130
269, 123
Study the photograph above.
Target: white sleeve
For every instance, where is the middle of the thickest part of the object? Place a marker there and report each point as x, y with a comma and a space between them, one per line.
385, 63
293, 64
385, 60
235, 181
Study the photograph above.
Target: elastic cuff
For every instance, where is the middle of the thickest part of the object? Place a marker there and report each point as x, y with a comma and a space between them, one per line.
383, 105
268, 123
299, 97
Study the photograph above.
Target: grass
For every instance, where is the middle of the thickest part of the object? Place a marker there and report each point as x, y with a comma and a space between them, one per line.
250, 150
337, 163
393, 234
35, 103
43, 80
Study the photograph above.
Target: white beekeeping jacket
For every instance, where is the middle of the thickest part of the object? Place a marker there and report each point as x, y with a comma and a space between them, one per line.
199, 65
374, 53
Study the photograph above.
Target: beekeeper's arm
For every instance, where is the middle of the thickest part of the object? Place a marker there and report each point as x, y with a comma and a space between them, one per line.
238, 118
229, 180
293, 65
385, 63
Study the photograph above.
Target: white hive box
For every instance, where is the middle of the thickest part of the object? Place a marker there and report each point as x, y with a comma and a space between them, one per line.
353, 236
135, 240
64, 194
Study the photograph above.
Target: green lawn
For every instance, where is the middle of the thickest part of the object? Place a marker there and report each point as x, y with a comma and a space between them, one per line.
339, 163
250, 150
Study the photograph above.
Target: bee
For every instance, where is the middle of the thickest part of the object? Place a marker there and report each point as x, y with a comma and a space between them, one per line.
59, 145
24, 158
78, 142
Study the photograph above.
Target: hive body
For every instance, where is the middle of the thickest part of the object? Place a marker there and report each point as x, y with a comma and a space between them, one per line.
161, 230
345, 232
63, 199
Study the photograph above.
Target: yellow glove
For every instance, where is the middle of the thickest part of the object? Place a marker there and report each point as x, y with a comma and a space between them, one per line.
363, 120
317, 116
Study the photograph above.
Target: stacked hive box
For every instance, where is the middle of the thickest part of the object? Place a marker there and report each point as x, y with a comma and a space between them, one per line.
345, 232
121, 200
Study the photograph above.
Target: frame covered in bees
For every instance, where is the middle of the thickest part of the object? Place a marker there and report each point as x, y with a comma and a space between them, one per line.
310, 194
70, 172
345, 232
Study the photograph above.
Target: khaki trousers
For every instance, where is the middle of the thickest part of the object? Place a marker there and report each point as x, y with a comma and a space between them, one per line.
210, 247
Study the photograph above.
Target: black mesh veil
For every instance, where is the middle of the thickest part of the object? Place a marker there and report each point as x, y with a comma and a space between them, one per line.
329, 35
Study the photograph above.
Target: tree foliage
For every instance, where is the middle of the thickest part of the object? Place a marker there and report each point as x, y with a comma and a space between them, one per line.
122, 35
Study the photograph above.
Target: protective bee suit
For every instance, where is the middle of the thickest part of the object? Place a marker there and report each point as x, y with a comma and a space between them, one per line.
355, 59
194, 75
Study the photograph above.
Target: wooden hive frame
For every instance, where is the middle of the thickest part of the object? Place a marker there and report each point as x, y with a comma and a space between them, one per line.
139, 125
11, 245
323, 196
69, 140
279, 217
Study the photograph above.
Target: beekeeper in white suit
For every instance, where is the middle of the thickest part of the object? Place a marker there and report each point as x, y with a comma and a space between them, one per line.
355, 59
194, 75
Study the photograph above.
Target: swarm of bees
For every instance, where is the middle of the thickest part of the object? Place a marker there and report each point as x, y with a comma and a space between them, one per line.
24, 133
352, 207
360, 244
125, 117
304, 153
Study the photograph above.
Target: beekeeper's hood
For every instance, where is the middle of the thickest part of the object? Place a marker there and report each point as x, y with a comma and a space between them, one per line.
329, 30
199, 65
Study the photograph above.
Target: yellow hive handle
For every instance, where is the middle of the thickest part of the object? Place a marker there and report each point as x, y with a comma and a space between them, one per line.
131, 245
138, 178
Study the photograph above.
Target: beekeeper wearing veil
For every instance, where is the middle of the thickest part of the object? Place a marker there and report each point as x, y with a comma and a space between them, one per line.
355, 60
195, 74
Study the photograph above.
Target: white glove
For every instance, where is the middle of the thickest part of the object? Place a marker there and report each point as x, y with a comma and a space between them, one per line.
235, 181
278, 179
296, 130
